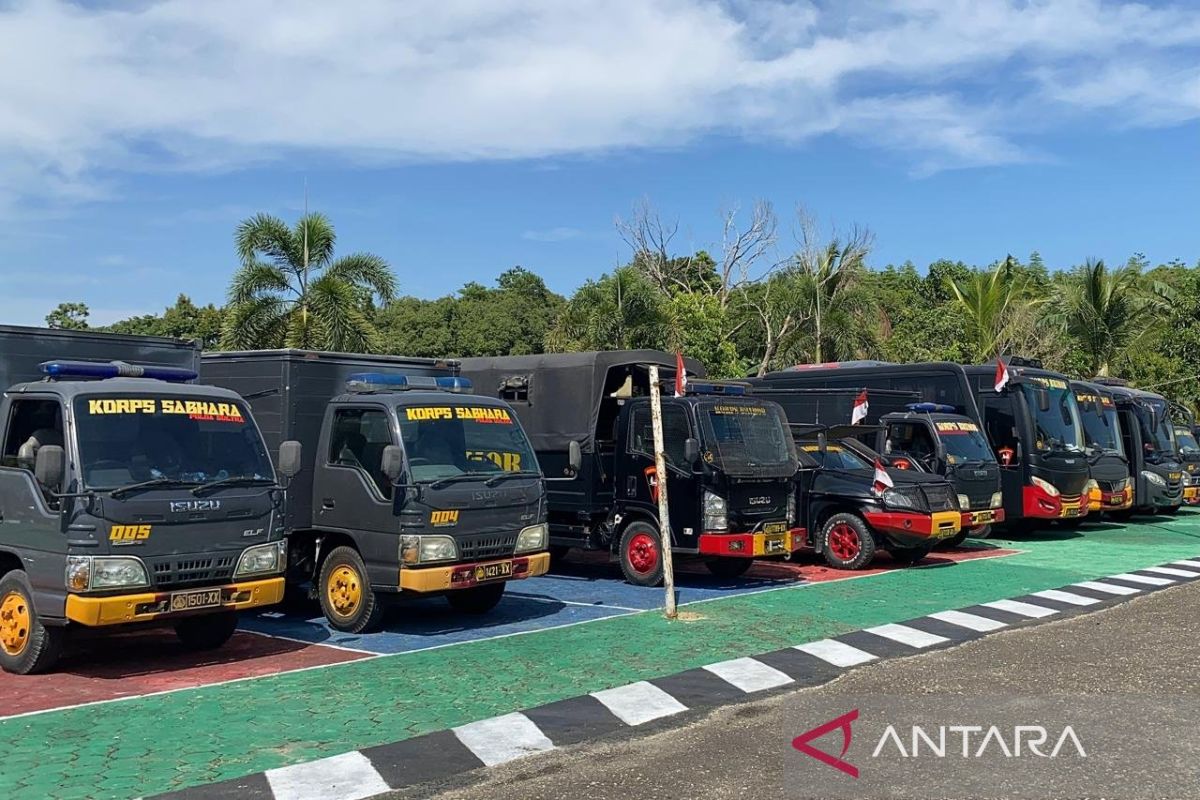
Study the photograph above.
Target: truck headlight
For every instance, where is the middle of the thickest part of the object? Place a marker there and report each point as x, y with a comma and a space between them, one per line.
791, 509
1046, 486
533, 538
105, 572
1154, 477
894, 498
716, 512
425, 549
964, 503
997, 499
1091, 486
261, 558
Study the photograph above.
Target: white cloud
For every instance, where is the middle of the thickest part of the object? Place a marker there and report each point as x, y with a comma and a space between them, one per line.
87, 94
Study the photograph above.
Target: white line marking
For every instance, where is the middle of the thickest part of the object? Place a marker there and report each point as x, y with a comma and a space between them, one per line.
1189, 563
748, 674
1111, 588
1179, 573
601, 606
1023, 609
500, 739
972, 622
638, 703
906, 635
837, 653
1067, 597
348, 776
1146, 579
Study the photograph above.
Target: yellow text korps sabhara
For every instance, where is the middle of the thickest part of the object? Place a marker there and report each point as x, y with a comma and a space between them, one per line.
472, 413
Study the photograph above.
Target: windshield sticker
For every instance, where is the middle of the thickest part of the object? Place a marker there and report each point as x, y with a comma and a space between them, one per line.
753, 411
957, 427
1091, 399
814, 448
204, 410
482, 414
1052, 383
509, 462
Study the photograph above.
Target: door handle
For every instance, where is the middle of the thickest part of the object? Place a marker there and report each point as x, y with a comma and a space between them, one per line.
327, 502
631, 486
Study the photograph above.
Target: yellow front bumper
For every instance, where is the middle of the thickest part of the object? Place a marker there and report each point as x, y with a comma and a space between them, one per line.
118, 609
1191, 492
460, 576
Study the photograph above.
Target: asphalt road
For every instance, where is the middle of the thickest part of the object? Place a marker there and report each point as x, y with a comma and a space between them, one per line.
1124, 680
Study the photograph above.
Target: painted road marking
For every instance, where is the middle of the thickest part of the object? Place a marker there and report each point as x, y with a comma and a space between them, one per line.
1187, 563
1178, 573
749, 675
500, 739
836, 653
906, 635
1021, 609
1111, 588
1067, 597
1146, 579
639, 703
349, 776
972, 622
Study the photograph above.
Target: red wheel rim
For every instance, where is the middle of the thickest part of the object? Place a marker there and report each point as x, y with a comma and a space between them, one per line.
642, 553
844, 542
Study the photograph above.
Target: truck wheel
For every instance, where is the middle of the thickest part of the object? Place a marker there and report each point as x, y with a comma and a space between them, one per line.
1170, 510
846, 542
729, 567
641, 554
980, 532
206, 632
909, 555
557, 553
476, 600
26, 646
953, 541
346, 596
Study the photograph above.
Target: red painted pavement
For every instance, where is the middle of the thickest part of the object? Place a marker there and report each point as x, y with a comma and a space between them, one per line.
132, 664
806, 569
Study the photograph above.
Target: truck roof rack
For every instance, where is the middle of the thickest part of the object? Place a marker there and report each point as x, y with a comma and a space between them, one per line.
367, 382
100, 370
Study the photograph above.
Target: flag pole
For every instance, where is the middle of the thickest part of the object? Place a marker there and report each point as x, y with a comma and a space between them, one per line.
660, 473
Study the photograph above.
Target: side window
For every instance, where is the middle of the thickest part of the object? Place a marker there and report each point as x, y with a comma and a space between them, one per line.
359, 436
32, 423
675, 431
515, 389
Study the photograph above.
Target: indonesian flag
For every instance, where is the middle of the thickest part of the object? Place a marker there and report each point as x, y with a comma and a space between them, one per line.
883, 481
1001, 374
680, 375
859, 412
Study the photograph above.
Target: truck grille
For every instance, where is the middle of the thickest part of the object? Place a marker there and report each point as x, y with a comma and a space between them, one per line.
487, 545
940, 498
171, 573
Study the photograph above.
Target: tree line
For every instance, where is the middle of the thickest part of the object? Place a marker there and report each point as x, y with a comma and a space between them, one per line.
738, 305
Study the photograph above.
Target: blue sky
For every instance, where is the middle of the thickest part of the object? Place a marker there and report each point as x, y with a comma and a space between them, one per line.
459, 138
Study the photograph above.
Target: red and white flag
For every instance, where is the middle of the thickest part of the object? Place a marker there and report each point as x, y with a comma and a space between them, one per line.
859, 412
1001, 374
883, 481
680, 376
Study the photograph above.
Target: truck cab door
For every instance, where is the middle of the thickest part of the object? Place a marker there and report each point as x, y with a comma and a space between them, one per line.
1001, 426
639, 483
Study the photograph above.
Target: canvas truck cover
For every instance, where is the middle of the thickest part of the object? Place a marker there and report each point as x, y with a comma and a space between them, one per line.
22, 349
561, 394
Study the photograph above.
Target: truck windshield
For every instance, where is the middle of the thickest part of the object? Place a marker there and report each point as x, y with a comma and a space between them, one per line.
1100, 426
747, 437
835, 456
963, 441
1155, 426
1185, 440
446, 441
1055, 415
128, 439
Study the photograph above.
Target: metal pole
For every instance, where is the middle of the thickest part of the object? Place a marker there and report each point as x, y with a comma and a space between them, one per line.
660, 472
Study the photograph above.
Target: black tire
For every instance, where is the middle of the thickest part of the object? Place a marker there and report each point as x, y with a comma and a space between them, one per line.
953, 541
476, 600
344, 590
1071, 524
641, 554
1124, 515
28, 646
981, 531
852, 545
206, 632
729, 567
1170, 511
557, 553
909, 555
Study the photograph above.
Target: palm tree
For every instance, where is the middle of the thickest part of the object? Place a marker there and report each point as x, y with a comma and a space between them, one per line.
1108, 312
839, 306
290, 292
992, 304
622, 311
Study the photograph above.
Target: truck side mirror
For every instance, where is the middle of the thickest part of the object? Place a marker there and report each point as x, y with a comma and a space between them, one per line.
691, 450
48, 466
289, 458
574, 457
392, 462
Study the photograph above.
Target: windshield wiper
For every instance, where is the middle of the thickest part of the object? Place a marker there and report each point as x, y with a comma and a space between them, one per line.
524, 473
465, 476
121, 491
236, 480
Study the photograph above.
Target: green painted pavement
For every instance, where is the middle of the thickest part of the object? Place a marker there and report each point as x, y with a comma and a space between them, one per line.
156, 744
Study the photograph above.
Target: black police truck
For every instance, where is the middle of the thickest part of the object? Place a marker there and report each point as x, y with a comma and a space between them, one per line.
409, 484
730, 460
128, 495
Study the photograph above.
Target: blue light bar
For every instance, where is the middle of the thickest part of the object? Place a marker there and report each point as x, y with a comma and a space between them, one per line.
931, 408
115, 369
384, 381
454, 384
697, 387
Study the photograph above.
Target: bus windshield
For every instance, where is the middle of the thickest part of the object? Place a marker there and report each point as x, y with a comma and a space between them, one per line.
1155, 427
747, 437
964, 442
1101, 430
181, 439
446, 441
1185, 440
1055, 415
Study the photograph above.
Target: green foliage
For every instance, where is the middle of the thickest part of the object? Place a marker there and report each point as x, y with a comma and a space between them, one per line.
619, 311
68, 316
184, 320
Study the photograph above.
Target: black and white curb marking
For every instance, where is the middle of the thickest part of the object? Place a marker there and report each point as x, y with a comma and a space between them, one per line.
450, 753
